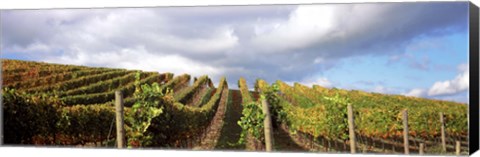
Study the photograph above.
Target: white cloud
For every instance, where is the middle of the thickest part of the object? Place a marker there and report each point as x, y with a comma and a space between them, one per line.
305, 25
450, 90
383, 89
379, 89
310, 81
139, 59
459, 84
416, 92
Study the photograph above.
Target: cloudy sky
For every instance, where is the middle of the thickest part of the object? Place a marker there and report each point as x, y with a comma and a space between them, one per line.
414, 49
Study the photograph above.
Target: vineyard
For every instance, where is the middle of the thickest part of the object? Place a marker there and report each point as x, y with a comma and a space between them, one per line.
67, 105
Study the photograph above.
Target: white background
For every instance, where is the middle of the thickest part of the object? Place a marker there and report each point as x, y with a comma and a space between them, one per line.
72, 152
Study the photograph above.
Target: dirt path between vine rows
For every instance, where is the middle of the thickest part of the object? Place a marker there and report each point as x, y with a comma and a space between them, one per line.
230, 133
213, 131
283, 142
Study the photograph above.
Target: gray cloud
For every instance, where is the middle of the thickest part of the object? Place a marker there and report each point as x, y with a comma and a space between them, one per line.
292, 43
385, 28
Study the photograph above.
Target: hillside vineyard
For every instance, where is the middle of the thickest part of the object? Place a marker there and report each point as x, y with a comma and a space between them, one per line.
58, 105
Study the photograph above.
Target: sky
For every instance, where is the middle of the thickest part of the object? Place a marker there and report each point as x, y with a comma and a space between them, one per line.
414, 49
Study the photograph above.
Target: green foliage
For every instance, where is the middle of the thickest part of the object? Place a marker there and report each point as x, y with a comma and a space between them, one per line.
78, 82
156, 119
105, 97
185, 122
150, 101
207, 96
336, 117
102, 86
296, 96
53, 79
14, 71
81, 124
72, 124
43, 117
251, 122
176, 81
270, 92
26, 116
246, 97
252, 118
376, 115
186, 94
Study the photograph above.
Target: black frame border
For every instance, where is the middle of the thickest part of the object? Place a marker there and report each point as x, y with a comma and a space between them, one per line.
474, 111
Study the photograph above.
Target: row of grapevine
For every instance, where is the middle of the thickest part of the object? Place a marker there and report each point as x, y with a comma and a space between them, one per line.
423, 113
83, 111
211, 135
177, 82
33, 74
12, 64
52, 79
188, 93
78, 82
309, 126
201, 97
42, 120
243, 87
58, 123
181, 122
15, 67
378, 114
315, 120
251, 121
80, 124
103, 86
166, 81
328, 120
98, 98
272, 94
14, 71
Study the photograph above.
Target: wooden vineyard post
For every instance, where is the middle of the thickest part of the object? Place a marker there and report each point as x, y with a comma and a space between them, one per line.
119, 119
405, 131
442, 130
457, 148
351, 129
422, 149
267, 126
